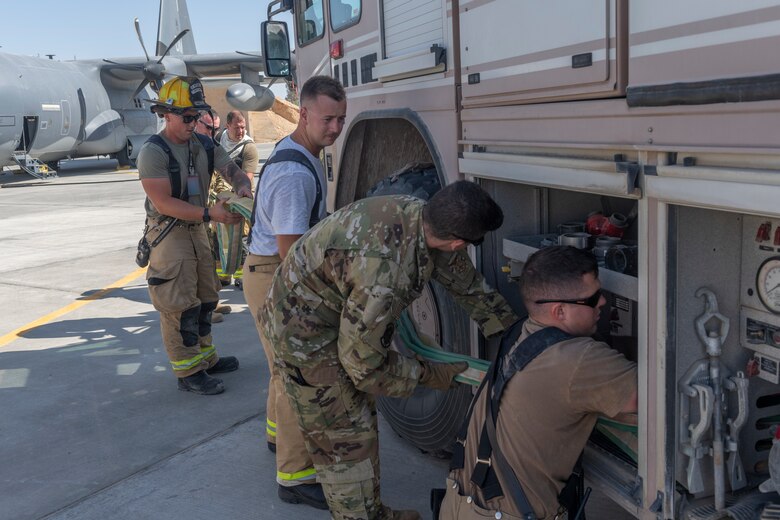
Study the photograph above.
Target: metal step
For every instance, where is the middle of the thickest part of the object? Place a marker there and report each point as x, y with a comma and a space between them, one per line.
33, 166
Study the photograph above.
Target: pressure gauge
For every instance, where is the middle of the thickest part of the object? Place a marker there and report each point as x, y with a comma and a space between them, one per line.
768, 284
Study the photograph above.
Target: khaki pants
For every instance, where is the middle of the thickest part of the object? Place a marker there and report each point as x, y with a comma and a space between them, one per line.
293, 463
458, 507
183, 287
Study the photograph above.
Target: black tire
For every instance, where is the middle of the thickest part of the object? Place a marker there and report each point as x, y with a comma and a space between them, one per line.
429, 419
123, 158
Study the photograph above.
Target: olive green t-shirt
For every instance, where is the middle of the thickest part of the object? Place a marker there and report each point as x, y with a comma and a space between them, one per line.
153, 164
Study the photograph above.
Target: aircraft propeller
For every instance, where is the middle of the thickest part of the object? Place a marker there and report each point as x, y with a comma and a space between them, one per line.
154, 71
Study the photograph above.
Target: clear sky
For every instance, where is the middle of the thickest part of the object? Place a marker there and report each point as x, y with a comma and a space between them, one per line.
84, 29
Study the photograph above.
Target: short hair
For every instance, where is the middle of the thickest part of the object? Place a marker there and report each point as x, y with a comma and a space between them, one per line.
322, 85
462, 210
234, 115
211, 114
554, 273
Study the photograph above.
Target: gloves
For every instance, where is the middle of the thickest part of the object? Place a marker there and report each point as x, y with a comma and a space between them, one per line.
439, 376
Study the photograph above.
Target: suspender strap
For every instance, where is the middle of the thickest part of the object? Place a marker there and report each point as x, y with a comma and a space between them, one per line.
501, 371
289, 155
174, 169
459, 450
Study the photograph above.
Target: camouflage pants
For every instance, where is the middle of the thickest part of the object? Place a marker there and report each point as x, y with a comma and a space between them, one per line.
339, 426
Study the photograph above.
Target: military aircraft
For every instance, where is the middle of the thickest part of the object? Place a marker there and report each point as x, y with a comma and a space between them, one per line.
51, 110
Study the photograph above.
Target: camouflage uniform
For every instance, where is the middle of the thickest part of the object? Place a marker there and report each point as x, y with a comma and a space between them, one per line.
330, 315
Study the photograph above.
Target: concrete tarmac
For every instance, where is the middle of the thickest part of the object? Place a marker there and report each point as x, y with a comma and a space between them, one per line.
92, 425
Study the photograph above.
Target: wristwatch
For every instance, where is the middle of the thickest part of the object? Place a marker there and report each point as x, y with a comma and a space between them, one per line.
206, 217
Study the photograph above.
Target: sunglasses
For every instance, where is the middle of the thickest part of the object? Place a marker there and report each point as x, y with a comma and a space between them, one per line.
208, 126
474, 242
590, 301
189, 118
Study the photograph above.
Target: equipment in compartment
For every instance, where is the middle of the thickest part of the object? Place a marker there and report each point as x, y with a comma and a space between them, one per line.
703, 435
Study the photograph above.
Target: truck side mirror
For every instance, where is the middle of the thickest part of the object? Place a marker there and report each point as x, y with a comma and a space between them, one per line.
276, 49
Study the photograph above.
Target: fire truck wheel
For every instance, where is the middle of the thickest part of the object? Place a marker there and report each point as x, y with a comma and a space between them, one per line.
429, 419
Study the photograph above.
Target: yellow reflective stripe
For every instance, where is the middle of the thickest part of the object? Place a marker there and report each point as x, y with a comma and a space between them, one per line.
300, 475
270, 432
208, 351
270, 423
186, 364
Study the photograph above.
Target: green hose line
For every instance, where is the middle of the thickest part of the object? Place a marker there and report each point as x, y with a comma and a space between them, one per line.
229, 236
619, 433
413, 342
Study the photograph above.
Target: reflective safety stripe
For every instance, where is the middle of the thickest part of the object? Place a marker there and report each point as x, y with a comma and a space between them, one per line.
299, 475
270, 432
207, 351
186, 364
270, 427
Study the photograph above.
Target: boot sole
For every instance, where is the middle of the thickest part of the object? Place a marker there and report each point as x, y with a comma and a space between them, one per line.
292, 498
218, 390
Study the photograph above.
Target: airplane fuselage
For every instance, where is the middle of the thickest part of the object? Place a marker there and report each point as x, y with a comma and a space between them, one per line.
52, 110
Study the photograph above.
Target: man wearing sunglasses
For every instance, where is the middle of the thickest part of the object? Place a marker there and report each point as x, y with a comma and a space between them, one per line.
549, 406
174, 170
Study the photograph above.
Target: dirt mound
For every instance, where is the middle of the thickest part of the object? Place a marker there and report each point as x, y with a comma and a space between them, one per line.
265, 127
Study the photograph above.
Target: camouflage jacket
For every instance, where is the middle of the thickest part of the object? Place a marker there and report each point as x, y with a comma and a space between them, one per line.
336, 297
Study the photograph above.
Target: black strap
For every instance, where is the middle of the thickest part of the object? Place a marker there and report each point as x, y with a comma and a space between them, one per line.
508, 339
501, 371
208, 145
174, 168
239, 160
289, 155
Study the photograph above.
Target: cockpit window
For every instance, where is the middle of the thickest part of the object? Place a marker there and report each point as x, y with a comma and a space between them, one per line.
309, 20
344, 13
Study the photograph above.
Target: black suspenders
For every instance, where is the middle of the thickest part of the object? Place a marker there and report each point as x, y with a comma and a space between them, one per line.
490, 460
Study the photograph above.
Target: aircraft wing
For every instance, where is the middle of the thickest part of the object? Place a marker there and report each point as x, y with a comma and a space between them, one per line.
200, 65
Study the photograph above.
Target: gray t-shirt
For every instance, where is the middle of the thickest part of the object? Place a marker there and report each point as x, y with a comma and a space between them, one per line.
153, 164
286, 192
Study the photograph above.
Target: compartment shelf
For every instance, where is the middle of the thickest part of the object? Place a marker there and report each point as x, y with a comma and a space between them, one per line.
519, 249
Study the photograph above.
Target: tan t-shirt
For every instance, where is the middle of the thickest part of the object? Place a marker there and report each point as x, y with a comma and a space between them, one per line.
153, 164
547, 413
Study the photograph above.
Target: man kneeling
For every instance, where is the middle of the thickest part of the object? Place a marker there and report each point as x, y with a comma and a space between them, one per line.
552, 383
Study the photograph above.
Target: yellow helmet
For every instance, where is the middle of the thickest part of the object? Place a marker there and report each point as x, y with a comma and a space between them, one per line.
180, 94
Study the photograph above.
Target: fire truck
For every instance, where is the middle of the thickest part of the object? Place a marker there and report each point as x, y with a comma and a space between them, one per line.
659, 119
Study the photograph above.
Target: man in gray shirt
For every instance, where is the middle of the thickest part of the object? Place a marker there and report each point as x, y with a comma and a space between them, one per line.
290, 197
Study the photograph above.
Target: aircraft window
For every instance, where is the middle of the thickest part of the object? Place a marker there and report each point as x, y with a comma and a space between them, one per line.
309, 20
344, 13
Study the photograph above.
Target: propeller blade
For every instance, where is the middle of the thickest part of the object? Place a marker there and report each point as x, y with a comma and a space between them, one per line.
170, 45
140, 39
124, 65
249, 54
139, 89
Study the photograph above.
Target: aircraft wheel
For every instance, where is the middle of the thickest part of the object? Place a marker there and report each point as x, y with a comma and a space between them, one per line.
123, 158
429, 419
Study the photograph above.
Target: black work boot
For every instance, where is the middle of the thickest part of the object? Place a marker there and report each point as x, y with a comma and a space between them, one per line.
272, 447
309, 494
224, 364
201, 383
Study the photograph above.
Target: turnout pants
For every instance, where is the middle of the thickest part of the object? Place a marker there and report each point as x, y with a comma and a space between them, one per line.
293, 463
339, 425
183, 287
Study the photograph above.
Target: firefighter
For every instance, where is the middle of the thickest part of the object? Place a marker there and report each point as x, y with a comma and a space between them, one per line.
330, 316
291, 197
174, 170
561, 381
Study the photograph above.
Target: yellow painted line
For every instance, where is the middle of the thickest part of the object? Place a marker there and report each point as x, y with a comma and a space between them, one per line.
15, 334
